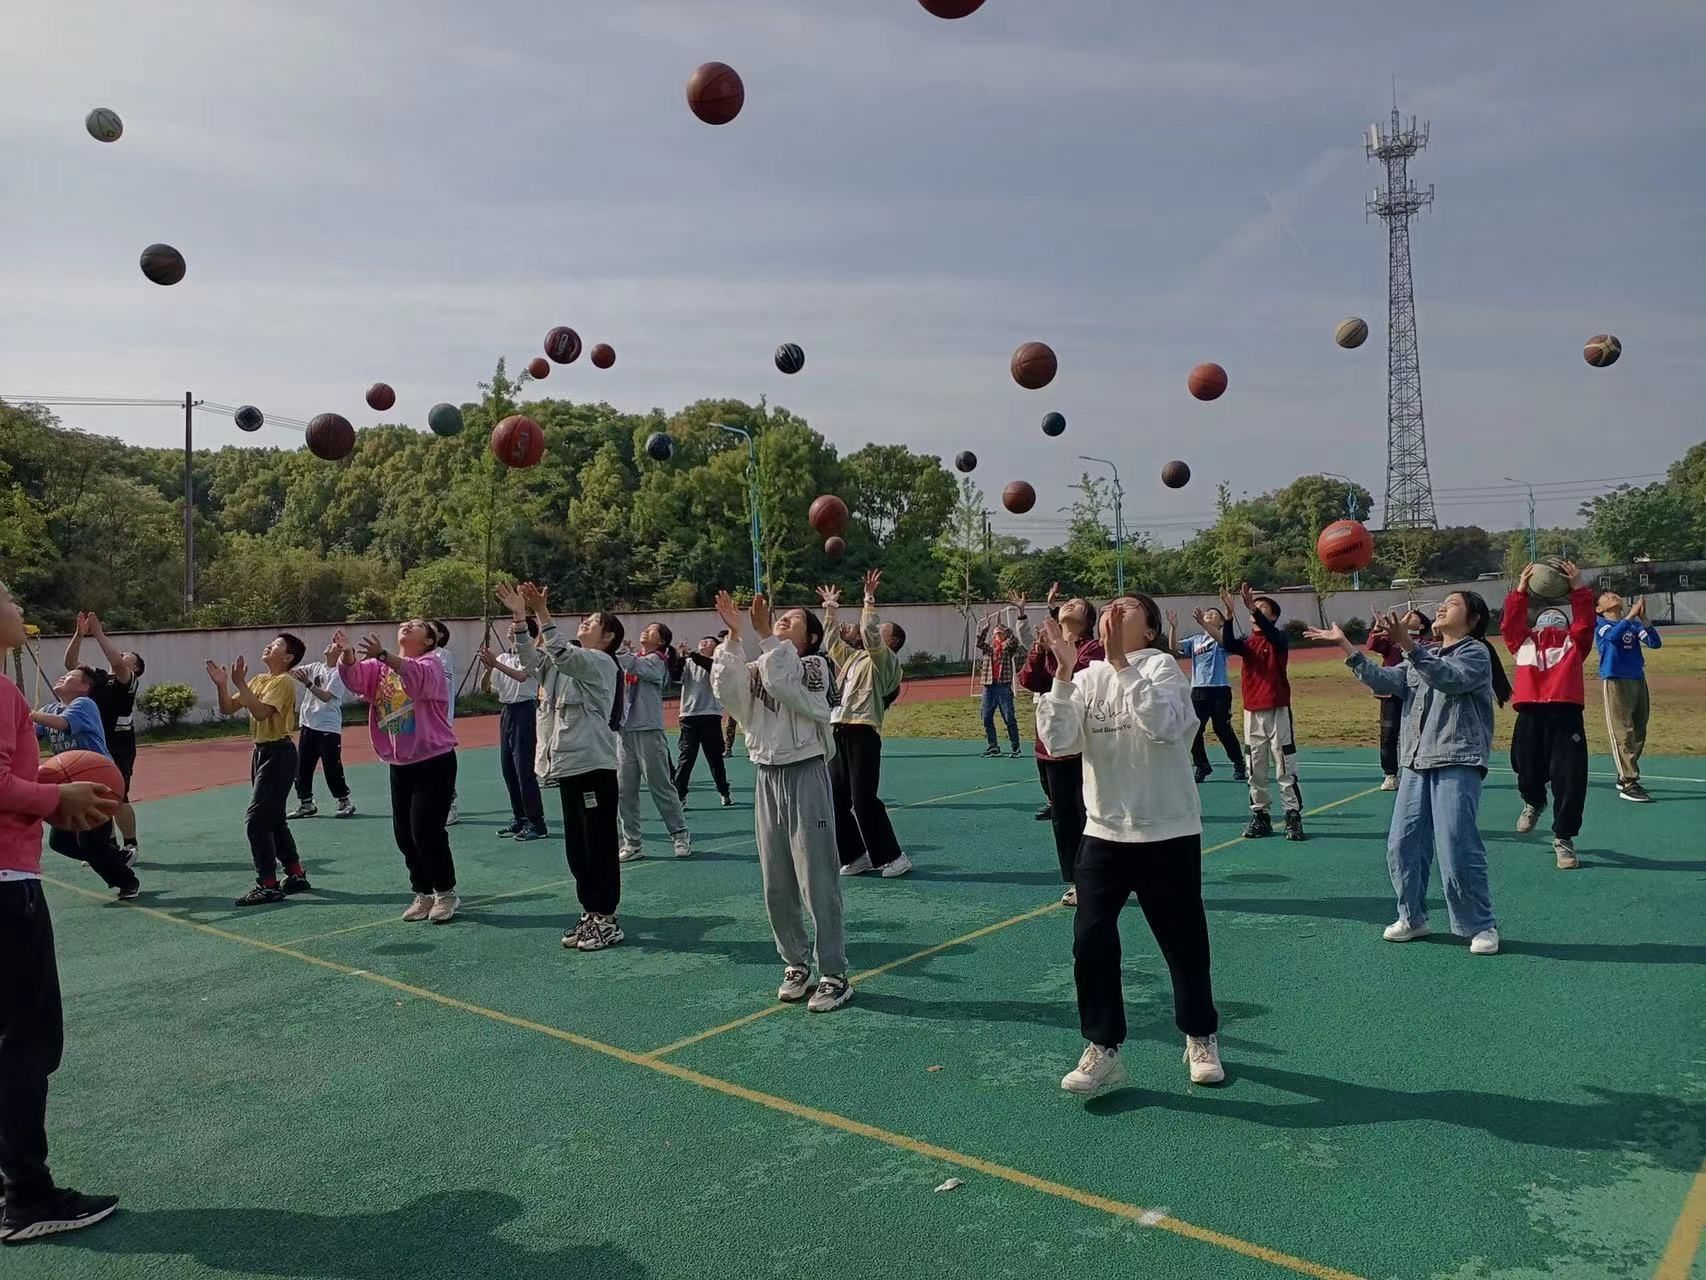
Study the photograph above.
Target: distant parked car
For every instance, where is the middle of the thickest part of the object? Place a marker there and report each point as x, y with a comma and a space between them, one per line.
1406, 584
1488, 577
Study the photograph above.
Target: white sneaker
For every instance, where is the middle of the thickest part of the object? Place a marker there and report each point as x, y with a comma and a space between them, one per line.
859, 866
1564, 851
631, 853
346, 808
444, 907
600, 932
419, 909
131, 854
1485, 943
452, 818
572, 937
899, 867
1526, 819
683, 844
1398, 931
1389, 783
1202, 1056
795, 983
1097, 1069
831, 993
1070, 897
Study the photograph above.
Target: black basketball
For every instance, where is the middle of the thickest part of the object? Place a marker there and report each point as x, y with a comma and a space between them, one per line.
563, 344
163, 264
659, 447
966, 461
789, 357
330, 436
249, 418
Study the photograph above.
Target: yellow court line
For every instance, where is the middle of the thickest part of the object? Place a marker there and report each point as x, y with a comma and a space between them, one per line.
975, 791
1678, 1260
829, 1119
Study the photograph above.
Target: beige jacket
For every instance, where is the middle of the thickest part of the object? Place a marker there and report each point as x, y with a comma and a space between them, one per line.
866, 676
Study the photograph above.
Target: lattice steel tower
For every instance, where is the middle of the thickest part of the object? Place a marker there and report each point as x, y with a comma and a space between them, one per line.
1409, 491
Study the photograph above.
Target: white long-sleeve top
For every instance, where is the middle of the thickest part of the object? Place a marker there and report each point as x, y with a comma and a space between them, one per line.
1134, 729
779, 698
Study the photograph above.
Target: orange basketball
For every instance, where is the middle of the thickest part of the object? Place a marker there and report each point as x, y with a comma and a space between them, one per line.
828, 515
1034, 365
518, 441
1207, 381
1019, 497
715, 93
1602, 350
539, 367
1345, 546
83, 766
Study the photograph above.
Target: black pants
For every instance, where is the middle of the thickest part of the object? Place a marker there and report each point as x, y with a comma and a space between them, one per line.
272, 770
1391, 724
1166, 876
1042, 778
862, 825
421, 796
317, 746
1063, 780
1549, 745
590, 840
99, 848
32, 1038
122, 746
518, 729
701, 732
1213, 703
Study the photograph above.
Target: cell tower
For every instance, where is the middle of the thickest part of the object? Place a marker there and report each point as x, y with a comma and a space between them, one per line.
1409, 490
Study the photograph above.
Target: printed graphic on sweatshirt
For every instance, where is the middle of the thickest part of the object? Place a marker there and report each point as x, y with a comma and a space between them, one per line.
755, 686
396, 710
1108, 715
819, 676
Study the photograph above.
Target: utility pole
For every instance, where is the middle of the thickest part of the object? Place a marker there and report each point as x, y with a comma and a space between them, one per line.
1533, 535
1119, 522
756, 524
189, 507
1351, 511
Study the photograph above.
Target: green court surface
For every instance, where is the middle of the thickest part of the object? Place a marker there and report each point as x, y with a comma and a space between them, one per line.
318, 1090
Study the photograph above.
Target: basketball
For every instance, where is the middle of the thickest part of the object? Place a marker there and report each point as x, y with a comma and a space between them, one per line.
330, 436
1548, 582
965, 461
163, 264
445, 420
834, 548
539, 367
659, 447
1351, 333
380, 397
1345, 546
828, 515
249, 418
715, 93
104, 125
1019, 497
82, 766
1034, 365
603, 355
518, 441
1054, 424
1602, 350
952, 8
789, 357
563, 344
1175, 475
1207, 381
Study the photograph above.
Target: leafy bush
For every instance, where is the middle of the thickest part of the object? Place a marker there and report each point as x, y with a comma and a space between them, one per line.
1356, 630
920, 659
165, 704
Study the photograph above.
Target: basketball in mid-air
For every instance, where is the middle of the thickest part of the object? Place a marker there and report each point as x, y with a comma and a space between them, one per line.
330, 436
1345, 546
965, 461
659, 447
603, 355
828, 515
715, 93
538, 367
518, 442
952, 8
249, 418
1602, 350
445, 420
163, 264
104, 125
381, 397
1351, 333
1034, 365
1019, 497
1054, 424
835, 548
1207, 381
790, 358
563, 344
1175, 475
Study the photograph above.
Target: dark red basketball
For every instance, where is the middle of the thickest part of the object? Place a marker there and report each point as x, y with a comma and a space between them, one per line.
828, 515
1175, 475
330, 436
563, 344
539, 367
1034, 365
518, 441
952, 8
715, 93
834, 548
1602, 350
1019, 497
1207, 381
380, 397
603, 355
1345, 546
163, 264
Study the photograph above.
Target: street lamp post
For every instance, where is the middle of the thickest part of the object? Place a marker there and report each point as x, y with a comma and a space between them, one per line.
1351, 510
1119, 522
752, 500
1533, 540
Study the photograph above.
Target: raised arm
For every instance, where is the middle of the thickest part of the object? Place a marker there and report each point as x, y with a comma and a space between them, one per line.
840, 652
731, 680
1387, 681
783, 672
1581, 612
117, 663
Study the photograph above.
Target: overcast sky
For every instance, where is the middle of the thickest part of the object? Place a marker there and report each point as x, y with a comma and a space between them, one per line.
405, 191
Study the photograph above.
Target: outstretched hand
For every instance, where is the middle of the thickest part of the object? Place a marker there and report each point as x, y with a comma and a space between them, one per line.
240, 670
1226, 603
873, 580
1053, 593
371, 646
1108, 630
218, 674
1334, 634
1064, 651
831, 597
1569, 569
509, 596
760, 615
729, 612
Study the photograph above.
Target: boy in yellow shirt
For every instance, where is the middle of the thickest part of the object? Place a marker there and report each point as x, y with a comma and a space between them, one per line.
270, 700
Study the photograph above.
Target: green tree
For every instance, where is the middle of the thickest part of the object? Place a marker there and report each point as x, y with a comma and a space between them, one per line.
444, 589
1657, 522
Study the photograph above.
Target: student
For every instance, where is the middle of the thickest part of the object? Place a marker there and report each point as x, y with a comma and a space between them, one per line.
1623, 679
776, 683
1549, 744
1392, 705
441, 638
115, 695
867, 679
1063, 775
581, 699
1002, 653
32, 1024
73, 723
701, 720
408, 721
320, 711
518, 727
1270, 742
642, 752
270, 700
1445, 697
1211, 691
1131, 718
1035, 657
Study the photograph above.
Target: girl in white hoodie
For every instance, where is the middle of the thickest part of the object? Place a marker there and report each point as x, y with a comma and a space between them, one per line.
1131, 718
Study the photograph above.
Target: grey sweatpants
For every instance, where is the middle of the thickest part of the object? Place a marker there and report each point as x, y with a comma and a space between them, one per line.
644, 754
797, 858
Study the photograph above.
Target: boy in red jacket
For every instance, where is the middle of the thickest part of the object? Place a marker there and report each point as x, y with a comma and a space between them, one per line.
1549, 744
1063, 776
1269, 739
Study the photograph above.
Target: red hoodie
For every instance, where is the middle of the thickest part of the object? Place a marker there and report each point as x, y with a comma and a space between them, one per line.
1549, 661
24, 802
1262, 677
1037, 674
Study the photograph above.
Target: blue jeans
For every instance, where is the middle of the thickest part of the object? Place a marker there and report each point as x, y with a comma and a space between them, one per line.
999, 697
1435, 811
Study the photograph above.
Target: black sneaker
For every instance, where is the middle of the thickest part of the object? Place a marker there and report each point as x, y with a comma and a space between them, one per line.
728, 802
1203, 772
260, 895
1260, 825
1240, 775
131, 853
1634, 791
67, 1210
131, 891
989, 753
1046, 813
1293, 825
572, 937
514, 829
295, 884
1016, 753
530, 833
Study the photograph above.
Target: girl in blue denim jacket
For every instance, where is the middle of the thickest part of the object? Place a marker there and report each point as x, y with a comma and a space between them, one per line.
1448, 695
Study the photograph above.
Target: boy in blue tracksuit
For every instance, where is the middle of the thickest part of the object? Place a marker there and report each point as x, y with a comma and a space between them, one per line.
1211, 691
73, 723
1619, 636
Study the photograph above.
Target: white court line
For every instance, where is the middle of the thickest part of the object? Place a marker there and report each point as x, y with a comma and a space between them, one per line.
1351, 764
